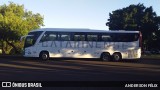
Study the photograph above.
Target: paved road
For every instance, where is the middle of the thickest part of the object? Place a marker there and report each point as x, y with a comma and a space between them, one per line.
22, 69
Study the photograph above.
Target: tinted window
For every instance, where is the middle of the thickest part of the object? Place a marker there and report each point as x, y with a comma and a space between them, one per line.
79, 37
120, 37
49, 36
35, 34
65, 37
134, 37
106, 38
92, 37
127, 37
31, 40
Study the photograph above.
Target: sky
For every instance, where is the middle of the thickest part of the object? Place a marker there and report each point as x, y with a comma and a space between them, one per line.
88, 14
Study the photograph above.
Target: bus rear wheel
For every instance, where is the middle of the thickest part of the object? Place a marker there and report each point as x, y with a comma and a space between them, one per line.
44, 55
117, 57
105, 57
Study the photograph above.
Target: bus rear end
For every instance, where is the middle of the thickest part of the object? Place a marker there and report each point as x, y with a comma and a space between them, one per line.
136, 52
140, 45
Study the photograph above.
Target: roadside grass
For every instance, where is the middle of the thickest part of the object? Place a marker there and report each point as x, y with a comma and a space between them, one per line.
151, 56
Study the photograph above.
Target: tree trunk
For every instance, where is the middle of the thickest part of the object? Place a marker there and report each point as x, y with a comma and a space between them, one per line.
12, 45
3, 51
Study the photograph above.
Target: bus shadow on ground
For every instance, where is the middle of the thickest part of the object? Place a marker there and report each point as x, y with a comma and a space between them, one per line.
141, 60
86, 59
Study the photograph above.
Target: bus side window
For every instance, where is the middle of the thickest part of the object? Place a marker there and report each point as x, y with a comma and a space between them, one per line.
136, 36
49, 36
92, 37
52, 37
79, 37
106, 38
123, 37
65, 37
43, 39
130, 37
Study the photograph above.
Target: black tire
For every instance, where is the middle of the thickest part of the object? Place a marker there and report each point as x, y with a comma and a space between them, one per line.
117, 57
44, 56
105, 57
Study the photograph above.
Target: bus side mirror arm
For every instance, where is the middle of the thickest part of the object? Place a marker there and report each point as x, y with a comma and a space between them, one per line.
22, 38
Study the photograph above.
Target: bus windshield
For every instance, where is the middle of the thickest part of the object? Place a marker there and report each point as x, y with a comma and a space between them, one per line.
32, 38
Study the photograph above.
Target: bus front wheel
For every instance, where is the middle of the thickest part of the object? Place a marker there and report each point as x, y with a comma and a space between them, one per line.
44, 55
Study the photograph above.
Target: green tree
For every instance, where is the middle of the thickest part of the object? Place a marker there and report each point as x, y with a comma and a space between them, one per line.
138, 18
16, 21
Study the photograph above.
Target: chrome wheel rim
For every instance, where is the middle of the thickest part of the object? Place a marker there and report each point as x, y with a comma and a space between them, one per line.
44, 56
116, 57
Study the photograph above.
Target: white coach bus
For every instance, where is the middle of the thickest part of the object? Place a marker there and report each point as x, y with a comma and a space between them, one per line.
48, 43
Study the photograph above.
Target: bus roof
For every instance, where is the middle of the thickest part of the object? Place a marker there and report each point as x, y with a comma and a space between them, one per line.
82, 30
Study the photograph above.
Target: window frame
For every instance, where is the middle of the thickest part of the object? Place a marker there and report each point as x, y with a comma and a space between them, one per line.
79, 33
49, 34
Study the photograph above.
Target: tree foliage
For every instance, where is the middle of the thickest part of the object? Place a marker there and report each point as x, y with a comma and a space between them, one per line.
138, 18
16, 21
